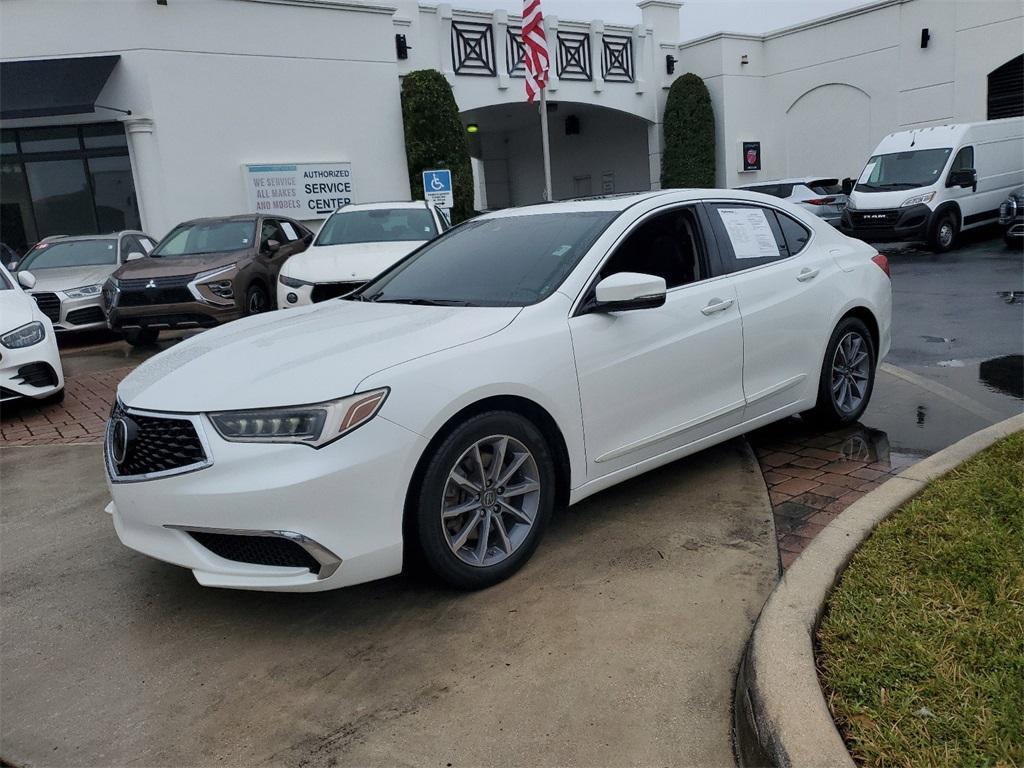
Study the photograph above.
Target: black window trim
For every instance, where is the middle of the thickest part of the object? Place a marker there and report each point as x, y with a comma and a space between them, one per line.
788, 257
712, 258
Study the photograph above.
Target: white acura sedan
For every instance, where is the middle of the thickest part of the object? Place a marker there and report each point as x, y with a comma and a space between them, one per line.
523, 360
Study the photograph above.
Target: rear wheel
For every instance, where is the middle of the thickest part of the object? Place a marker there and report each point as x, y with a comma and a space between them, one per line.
847, 375
944, 234
141, 337
485, 500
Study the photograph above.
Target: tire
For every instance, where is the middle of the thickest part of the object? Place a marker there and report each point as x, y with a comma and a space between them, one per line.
945, 232
838, 405
256, 300
448, 540
141, 337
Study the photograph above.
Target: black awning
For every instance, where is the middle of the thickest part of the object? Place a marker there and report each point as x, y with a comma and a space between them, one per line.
43, 87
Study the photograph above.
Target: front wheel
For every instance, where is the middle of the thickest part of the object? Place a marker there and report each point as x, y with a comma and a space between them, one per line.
945, 232
485, 499
256, 300
847, 375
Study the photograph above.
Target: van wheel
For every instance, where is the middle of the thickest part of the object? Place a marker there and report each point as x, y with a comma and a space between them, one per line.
945, 232
847, 376
141, 337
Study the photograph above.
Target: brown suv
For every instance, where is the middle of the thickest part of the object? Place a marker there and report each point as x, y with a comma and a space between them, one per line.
204, 272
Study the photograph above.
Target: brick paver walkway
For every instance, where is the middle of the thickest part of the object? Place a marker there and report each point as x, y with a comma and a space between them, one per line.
813, 476
81, 418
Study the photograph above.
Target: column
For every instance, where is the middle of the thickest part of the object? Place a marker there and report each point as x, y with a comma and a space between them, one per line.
146, 171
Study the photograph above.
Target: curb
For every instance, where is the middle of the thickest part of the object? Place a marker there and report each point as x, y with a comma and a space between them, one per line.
780, 716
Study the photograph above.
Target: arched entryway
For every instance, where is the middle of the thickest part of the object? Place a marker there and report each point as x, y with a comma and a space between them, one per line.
594, 150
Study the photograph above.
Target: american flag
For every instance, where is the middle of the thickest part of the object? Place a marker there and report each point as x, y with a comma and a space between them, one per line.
535, 47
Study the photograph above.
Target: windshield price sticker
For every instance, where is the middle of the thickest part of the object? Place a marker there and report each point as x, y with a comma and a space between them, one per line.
749, 232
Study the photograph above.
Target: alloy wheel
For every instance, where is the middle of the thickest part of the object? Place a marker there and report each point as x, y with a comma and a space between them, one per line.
257, 302
490, 500
851, 368
945, 234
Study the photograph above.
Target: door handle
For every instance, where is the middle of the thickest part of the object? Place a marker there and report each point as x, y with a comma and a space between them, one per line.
807, 274
717, 305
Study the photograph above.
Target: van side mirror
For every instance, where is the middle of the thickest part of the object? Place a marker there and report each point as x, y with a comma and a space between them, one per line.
135, 255
965, 177
27, 280
847, 186
625, 291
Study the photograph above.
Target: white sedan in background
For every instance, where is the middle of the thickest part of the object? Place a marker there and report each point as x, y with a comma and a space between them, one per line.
29, 361
355, 244
529, 358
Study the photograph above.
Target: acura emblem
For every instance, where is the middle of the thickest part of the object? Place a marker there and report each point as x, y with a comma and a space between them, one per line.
122, 435
151, 284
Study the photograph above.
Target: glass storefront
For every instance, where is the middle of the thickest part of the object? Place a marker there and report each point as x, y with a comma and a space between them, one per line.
65, 180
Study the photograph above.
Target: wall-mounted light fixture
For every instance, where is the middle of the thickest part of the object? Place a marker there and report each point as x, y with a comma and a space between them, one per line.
402, 47
670, 64
744, 59
925, 37
472, 128
572, 125
161, 2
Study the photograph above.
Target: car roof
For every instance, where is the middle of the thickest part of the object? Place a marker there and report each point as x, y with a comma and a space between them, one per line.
106, 236
800, 180
420, 204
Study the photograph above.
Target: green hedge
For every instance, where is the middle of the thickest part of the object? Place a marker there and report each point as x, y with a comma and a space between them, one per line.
688, 159
435, 138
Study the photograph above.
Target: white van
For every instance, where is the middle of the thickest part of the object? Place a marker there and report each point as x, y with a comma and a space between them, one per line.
929, 184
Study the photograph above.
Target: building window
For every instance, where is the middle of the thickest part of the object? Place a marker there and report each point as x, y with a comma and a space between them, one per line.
473, 48
617, 58
1006, 89
65, 180
515, 52
574, 56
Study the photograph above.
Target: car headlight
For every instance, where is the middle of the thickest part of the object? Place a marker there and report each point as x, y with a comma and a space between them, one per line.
315, 425
24, 336
84, 292
918, 199
292, 282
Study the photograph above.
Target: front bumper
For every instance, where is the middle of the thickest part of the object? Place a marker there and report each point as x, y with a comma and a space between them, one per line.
346, 498
910, 224
314, 293
71, 314
31, 371
192, 314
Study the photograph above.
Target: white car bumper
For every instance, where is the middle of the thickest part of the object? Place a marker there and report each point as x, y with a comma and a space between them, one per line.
302, 295
343, 502
31, 371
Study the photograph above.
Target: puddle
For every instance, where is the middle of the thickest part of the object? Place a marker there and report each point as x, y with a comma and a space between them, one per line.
1004, 374
938, 339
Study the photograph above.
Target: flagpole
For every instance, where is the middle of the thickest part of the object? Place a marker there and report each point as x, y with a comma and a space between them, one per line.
544, 140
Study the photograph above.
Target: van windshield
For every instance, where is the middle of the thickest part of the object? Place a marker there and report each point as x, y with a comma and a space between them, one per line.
903, 170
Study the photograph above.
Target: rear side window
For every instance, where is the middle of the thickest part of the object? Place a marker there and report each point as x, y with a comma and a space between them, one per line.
748, 235
795, 233
781, 191
825, 186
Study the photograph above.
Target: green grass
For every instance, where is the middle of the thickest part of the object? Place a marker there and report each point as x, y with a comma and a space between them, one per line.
922, 648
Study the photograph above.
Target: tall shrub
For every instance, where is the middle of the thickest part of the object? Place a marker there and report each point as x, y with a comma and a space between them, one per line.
688, 159
435, 138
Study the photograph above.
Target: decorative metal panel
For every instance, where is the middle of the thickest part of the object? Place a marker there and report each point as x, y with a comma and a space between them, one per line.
617, 59
473, 48
515, 52
574, 56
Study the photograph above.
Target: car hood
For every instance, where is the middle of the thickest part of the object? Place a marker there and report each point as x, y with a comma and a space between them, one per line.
873, 201
164, 266
348, 262
303, 355
16, 309
65, 278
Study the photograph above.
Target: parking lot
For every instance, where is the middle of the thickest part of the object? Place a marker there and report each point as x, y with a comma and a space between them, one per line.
617, 643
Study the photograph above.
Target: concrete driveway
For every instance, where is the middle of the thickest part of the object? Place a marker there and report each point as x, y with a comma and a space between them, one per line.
616, 645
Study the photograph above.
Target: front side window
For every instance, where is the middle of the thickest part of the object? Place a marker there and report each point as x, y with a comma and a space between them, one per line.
71, 253
207, 237
510, 261
668, 245
271, 230
375, 226
903, 170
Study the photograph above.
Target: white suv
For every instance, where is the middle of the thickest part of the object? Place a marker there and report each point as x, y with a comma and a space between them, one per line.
355, 244
822, 197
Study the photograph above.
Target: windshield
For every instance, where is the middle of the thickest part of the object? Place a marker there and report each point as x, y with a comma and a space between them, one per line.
70, 253
903, 170
207, 237
504, 262
382, 225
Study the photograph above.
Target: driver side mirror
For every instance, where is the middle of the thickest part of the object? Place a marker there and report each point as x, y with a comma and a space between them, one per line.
847, 186
27, 280
965, 177
272, 246
135, 255
625, 291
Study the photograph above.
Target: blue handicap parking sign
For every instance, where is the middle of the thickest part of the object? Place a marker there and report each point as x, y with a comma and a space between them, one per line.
437, 181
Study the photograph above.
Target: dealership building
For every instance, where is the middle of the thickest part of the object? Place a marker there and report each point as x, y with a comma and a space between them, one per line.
143, 113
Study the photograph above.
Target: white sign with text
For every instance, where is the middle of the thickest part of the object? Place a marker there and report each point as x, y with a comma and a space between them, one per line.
299, 190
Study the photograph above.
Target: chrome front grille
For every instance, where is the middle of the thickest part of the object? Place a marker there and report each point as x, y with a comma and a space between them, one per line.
142, 445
